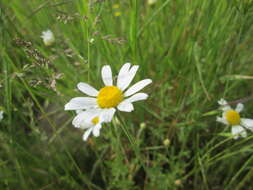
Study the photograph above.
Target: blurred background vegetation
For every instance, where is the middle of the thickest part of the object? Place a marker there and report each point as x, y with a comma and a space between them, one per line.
195, 51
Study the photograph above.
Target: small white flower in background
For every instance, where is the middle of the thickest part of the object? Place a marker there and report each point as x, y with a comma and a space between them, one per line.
91, 120
92, 40
152, 2
104, 101
1, 115
48, 37
232, 117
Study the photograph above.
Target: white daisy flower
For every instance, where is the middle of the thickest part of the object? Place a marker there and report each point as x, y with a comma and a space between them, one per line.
92, 120
232, 117
111, 96
48, 37
1, 115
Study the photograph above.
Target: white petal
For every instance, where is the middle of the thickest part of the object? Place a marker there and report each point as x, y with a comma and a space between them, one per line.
239, 107
137, 87
87, 89
222, 102
83, 119
237, 131
125, 106
225, 108
81, 103
96, 130
1, 115
107, 75
224, 114
137, 97
123, 71
221, 120
87, 134
107, 114
224, 105
126, 76
78, 111
128, 79
247, 123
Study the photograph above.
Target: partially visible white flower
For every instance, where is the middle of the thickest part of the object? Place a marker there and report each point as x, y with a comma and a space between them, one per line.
232, 117
152, 2
92, 40
92, 120
1, 115
48, 37
111, 96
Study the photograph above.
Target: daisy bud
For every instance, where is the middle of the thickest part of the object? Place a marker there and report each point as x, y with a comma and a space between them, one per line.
48, 37
151, 2
143, 125
166, 142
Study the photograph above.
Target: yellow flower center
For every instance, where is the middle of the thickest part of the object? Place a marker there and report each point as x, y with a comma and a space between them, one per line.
109, 96
233, 117
95, 120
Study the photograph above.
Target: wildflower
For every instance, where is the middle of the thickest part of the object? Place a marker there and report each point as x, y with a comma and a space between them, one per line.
166, 142
143, 125
232, 117
48, 37
1, 115
92, 40
91, 120
110, 96
151, 2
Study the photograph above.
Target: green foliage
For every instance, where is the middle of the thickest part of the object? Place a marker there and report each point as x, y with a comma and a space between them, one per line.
195, 51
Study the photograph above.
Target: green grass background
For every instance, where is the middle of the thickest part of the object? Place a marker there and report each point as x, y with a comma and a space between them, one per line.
191, 49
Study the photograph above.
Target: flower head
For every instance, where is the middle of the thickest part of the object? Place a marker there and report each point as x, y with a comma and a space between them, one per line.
111, 96
232, 117
92, 121
48, 37
104, 102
